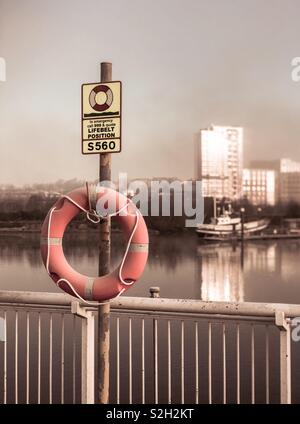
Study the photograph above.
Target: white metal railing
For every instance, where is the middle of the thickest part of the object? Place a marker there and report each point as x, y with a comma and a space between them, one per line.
231, 321
44, 347
162, 351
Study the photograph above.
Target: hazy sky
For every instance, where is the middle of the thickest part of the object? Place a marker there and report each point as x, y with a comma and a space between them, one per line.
184, 64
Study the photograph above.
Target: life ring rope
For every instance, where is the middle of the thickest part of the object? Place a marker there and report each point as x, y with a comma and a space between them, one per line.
88, 213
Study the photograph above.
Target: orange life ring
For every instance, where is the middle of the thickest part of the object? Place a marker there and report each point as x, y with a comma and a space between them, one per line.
82, 286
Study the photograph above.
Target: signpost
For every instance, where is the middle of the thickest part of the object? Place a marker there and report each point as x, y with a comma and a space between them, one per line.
101, 133
104, 268
101, 117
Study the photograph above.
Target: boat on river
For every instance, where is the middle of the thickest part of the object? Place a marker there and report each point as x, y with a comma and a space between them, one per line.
227, 227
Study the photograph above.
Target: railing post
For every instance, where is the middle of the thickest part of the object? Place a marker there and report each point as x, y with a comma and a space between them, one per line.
154, 293
87, 353
285, 357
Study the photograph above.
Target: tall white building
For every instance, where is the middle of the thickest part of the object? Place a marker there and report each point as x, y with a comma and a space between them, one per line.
219, 161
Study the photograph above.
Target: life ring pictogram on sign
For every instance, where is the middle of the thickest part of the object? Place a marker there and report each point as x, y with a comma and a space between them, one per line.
101, 107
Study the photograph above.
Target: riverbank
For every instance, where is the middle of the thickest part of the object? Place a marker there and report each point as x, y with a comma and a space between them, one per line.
160, 227
34, 226
19, 227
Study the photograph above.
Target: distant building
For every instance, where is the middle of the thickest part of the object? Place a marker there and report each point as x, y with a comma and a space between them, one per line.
289, 181
288, 178
259, 186
219, 161
289, 187
289, 166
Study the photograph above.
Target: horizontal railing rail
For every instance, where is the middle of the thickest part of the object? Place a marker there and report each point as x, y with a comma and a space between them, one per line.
153, 305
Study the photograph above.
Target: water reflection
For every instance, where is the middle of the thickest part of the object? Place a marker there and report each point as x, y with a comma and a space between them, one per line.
263, 271
20, 248
219, 271
262, 256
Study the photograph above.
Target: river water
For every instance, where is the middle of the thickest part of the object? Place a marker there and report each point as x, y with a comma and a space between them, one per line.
181, 266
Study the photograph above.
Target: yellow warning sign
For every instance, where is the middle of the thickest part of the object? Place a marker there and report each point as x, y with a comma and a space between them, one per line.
101, 117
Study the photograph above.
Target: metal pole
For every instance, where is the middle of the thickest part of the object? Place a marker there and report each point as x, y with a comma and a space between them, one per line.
242, 224
242, 237
215, 208
104, 268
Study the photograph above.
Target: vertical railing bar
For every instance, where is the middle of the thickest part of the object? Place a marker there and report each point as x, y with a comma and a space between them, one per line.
182, 362
5, 360
143, 360
16, 355
267, 366
155, 363
252, 366
50, 356
209, 364
39, 358
74, 358
169, 364
118, 360
224, 363
27, 356
62, 357
196, 363
130, 359
238, 365
87, 355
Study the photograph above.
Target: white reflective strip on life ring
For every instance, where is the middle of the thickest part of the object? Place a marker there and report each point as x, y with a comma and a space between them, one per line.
88, 291
51, 241
138, 247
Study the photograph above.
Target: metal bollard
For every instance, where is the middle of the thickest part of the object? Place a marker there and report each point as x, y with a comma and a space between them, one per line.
154, 291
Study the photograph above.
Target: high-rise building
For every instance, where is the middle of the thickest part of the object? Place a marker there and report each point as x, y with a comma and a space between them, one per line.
259, 186
219, 161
